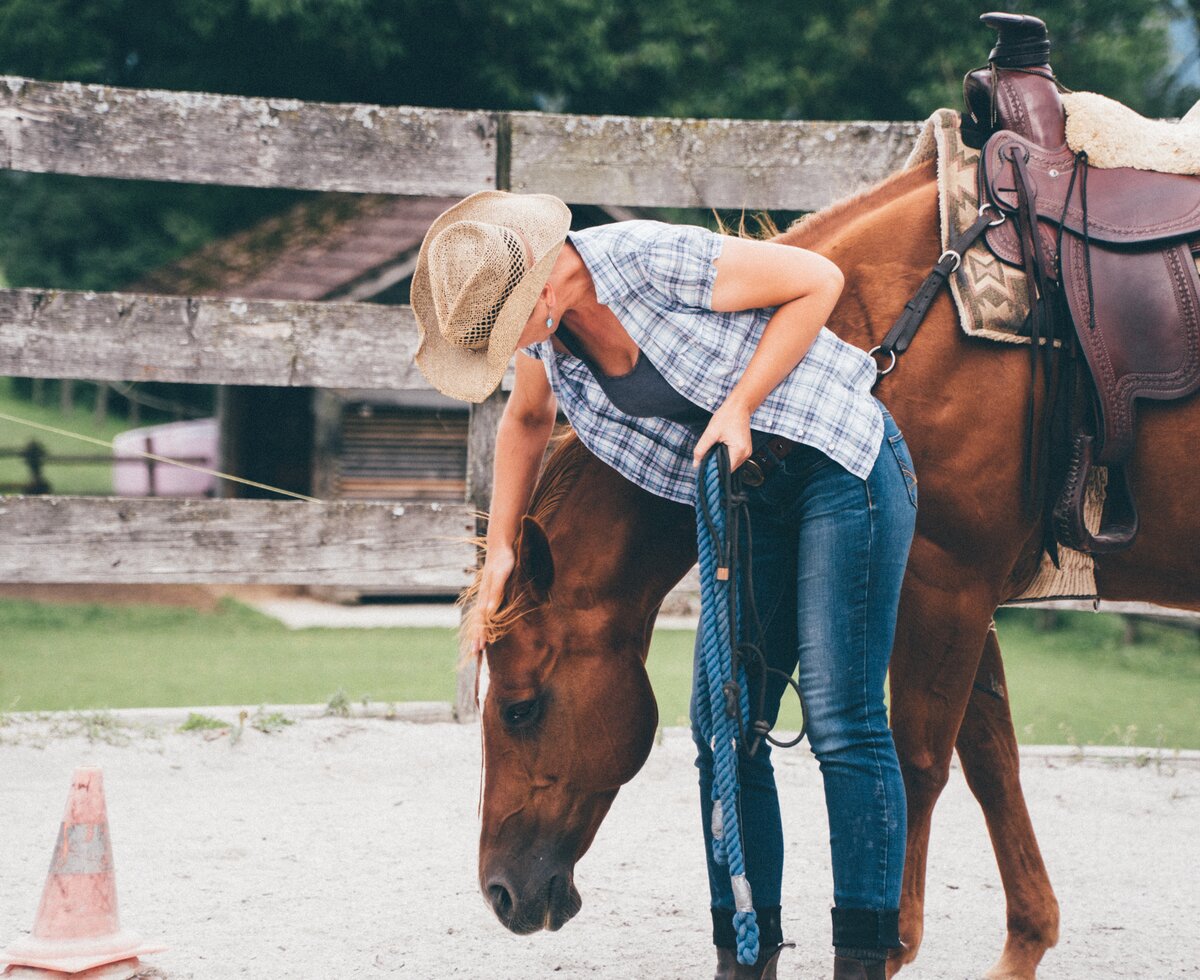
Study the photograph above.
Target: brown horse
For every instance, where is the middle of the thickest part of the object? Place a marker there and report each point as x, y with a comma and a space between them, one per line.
570, 716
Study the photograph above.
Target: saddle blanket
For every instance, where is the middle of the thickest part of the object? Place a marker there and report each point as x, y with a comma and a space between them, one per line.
992, 303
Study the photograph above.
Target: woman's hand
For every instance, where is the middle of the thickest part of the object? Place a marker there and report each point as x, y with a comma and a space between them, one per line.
729, 424
496, 569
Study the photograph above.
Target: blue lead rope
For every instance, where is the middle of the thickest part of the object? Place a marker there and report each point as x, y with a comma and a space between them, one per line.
722, 701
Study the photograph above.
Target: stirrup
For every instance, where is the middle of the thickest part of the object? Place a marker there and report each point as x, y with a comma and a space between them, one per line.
1119, 522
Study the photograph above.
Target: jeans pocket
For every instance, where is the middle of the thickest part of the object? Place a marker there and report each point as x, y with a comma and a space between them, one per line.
904, 461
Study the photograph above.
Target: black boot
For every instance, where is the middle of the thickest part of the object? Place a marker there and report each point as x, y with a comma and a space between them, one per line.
853, 968
862, 939
728, 967
770, 945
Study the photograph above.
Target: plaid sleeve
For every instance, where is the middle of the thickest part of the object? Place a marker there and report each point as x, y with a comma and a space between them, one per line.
678, 262
533, 350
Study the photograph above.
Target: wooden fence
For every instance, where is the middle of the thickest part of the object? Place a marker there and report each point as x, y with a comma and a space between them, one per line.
101, 131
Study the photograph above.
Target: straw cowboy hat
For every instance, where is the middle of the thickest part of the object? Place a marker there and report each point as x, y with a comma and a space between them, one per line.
479, 272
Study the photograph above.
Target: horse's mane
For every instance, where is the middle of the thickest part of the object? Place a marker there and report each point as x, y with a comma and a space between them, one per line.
558, 477
806, 230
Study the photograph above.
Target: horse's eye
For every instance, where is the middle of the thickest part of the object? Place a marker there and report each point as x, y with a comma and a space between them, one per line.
521, 714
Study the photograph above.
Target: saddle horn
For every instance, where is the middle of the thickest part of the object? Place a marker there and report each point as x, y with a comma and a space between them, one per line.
1023, 41
1017, 89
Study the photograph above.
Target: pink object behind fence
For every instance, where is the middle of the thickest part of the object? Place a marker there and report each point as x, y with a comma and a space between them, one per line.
193, 441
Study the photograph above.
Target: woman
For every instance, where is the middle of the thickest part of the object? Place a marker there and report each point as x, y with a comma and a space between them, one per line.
659, 341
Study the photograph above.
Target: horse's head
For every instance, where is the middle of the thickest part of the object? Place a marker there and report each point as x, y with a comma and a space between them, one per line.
567, 711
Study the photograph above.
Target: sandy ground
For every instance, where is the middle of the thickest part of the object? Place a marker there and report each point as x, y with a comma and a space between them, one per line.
346, 848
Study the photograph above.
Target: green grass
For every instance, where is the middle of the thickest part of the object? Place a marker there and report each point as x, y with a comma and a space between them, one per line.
75, 657
1077, 684
81, 478
203, 723
1080, 684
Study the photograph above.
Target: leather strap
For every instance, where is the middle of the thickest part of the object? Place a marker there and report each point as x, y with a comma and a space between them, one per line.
1035, 282
904, 329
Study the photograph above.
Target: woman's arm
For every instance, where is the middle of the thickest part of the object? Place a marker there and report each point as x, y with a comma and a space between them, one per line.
521, 439
804, 287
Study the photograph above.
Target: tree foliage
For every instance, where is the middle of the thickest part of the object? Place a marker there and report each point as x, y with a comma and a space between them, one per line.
836, 59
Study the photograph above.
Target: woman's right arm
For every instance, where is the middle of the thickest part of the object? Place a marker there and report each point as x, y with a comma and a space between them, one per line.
521, 439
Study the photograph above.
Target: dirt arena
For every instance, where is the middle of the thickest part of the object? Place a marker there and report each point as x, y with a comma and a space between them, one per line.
345, 847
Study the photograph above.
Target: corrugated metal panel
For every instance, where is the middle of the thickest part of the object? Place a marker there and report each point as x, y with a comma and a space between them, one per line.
395, 453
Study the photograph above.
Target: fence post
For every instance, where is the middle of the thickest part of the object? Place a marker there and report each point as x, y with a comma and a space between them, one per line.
100, 413
481, 439
34, 455
481, 455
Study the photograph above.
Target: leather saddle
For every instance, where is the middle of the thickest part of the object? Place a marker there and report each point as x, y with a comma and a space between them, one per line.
1109, 261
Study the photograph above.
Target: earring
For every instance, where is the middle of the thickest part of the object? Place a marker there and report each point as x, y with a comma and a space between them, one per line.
549, 318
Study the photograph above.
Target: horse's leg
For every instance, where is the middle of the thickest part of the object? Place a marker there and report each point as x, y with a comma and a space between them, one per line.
987, 747
940, 633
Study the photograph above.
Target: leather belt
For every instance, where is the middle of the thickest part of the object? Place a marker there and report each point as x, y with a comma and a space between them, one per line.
763, 460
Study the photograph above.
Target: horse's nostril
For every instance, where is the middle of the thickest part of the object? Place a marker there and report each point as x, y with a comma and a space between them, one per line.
501, 901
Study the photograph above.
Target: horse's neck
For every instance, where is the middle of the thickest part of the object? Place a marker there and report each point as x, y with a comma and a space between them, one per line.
618, 545
886, 235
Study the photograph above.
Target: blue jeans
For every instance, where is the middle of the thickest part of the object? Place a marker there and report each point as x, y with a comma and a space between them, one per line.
829, 551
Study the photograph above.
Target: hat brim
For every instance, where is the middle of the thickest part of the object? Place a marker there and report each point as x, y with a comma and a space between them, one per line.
472, 375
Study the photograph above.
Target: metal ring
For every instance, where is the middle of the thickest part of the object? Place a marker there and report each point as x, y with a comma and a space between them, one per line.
751, 473
888, 369
993, 224
957, 258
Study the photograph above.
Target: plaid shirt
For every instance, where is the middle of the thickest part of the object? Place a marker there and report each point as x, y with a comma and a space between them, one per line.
657, 279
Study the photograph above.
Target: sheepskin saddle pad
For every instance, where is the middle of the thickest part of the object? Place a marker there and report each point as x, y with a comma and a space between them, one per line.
1113, 135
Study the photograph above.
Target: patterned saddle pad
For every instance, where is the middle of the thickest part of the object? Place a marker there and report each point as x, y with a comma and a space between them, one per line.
992, 303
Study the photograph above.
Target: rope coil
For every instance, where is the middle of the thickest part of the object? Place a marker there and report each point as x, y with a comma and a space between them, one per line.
721, 697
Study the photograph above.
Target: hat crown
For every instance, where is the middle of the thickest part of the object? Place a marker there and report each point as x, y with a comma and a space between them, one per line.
473, 268
481, 268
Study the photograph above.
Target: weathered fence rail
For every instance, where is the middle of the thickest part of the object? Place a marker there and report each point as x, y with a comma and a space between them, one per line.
413, 547
130, 337
140, 134
103, 131
721, 163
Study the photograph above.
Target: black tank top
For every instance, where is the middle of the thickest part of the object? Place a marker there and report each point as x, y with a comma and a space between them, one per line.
642, 392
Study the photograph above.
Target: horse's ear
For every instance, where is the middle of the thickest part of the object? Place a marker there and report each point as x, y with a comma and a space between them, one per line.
534, 561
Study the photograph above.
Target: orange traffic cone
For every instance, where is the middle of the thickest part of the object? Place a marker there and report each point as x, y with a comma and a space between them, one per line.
77, 927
